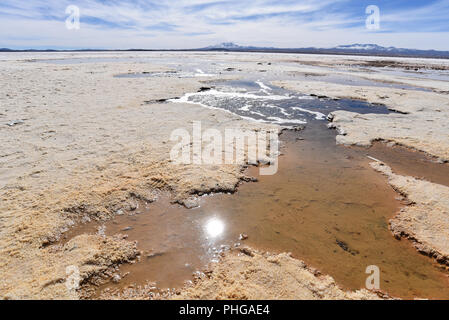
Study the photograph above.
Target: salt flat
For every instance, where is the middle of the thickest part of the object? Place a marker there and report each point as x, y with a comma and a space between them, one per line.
79, 143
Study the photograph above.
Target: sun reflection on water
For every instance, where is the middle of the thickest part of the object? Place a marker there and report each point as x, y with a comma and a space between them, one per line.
214, 227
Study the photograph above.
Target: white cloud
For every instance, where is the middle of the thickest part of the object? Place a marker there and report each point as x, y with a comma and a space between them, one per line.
182, 24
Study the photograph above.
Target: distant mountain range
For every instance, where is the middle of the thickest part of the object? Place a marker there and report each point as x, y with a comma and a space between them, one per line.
353, 49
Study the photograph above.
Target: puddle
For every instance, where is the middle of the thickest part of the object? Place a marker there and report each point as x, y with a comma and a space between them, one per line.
325, 205
258, 101
408, 162
188, 67
439, 75
147, 74
64, 61
175, 242
352, 80
177, 74
182, 66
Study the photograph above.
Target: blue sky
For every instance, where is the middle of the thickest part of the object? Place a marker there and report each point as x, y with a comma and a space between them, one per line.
175, 24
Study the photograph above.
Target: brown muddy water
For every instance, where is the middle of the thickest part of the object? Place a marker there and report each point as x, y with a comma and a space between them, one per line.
325, 205
409, 162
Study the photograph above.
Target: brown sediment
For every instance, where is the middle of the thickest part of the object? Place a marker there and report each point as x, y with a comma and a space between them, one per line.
410, 162
423, 128
249, 274
245, 273
425, 222
325, 205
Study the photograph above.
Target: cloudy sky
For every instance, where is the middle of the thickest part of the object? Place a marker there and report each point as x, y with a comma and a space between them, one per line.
174, 24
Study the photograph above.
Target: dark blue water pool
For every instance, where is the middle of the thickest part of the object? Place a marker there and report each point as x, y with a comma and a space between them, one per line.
265, 103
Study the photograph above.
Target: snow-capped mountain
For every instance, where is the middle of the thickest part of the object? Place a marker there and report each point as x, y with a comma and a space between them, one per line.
226, 45
374, 49
358, 46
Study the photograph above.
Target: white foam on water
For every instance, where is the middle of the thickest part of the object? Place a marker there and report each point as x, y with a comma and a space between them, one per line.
245, 95
306, 98
281, 121
258, 113
318, 115
185, 100
263, 85
220, 94
264, 88
285, 113
193, 75
282, 110
204, 75
199, 73
232, 89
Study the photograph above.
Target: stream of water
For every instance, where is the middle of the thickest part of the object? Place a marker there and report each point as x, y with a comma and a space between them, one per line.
325, 205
